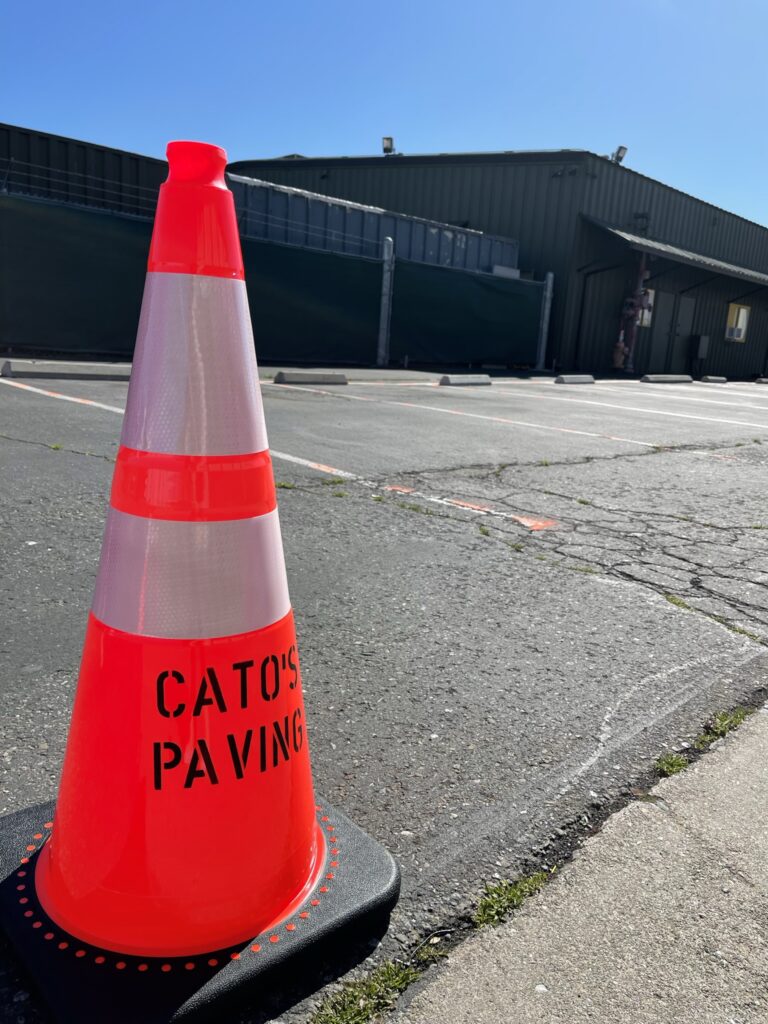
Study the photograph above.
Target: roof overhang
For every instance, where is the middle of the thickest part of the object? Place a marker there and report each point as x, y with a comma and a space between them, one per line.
691, 259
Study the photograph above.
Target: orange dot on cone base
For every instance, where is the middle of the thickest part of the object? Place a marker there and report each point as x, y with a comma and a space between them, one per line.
188, 741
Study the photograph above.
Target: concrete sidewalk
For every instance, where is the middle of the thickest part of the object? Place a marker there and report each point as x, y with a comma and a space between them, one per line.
662, 918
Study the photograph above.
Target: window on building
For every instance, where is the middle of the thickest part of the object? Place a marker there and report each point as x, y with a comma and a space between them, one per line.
738, 318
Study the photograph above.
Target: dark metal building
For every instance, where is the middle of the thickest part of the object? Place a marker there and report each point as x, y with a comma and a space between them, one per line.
329, 280
646, 276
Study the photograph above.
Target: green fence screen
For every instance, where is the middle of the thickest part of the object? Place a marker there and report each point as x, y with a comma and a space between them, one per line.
71, 281
312, 307
451, 317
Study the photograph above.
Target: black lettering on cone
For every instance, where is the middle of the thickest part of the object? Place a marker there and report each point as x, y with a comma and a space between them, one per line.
286, 735
280, 737
242, 667
194, 772
270, 672
293, 667
240, 757
209, 680
161, 705
277, 741
161, 765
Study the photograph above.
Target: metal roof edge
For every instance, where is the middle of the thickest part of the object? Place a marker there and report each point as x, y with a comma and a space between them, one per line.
678, 254
84, 142
497, 156
442, 224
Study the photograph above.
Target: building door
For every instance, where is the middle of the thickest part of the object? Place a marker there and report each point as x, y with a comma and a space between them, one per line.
670, 349
680, 338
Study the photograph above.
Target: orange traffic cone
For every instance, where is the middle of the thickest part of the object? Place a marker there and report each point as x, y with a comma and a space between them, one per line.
186, 823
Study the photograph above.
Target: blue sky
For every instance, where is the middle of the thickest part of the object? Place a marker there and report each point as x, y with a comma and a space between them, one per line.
681, 83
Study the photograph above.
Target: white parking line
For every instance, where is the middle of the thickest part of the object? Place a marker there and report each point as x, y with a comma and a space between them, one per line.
63, 398
645, 412
471, 415
651, 394
532, 523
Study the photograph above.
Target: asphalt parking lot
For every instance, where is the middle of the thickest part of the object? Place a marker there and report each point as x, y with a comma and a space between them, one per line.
510, 600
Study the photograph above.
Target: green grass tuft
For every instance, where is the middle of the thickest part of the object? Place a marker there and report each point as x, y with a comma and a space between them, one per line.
588, 569
720, 725
501, 898
339, 494
365, 1000
283, 485
409, 507
55, 447
484, 531
332, 481
543, 462
514, 545
378, 497
678, 602
584, 501
671, 764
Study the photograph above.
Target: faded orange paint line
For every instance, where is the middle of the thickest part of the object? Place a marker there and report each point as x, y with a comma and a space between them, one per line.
534, 524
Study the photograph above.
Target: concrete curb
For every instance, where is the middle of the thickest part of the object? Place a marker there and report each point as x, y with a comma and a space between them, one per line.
714, 380
667, 378
455, 380
63, 370
308, 377
688, 858
575, 378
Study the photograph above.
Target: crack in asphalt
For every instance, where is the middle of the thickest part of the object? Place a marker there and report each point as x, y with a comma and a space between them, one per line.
55, 447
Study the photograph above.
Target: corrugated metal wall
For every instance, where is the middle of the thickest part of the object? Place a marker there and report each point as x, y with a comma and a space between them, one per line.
298, 217
36, 163
609, 271
535, 197
626, 199
532, 199
39, 164
538, 198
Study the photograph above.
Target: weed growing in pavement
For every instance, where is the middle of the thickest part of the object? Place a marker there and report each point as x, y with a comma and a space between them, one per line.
678, 602
756, 440
671, 764
584, 501
514, 545
378, 497
588, 569
283, 485
339, 494
332, 481
430, 952
55, 447
414, 508
543, 462
501, 898
484, 531
720, 725
361, 1001
737, 629
758, 526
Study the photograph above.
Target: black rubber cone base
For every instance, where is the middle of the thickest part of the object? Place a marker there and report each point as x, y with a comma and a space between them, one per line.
81, 984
